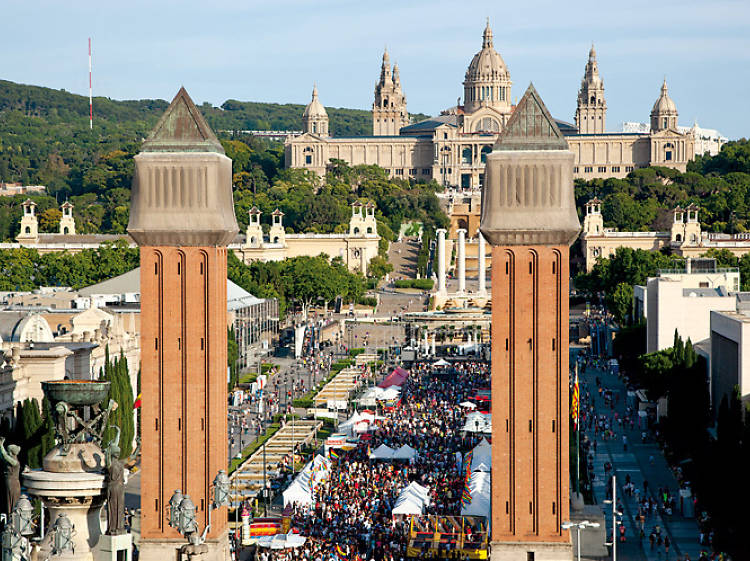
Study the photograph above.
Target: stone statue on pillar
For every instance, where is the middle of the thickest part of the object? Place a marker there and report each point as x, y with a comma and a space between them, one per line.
11, 473
115, 482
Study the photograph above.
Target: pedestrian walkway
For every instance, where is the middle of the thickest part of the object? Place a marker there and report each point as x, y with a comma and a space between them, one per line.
642, 462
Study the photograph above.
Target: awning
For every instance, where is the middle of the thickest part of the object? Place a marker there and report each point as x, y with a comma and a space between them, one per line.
395, 378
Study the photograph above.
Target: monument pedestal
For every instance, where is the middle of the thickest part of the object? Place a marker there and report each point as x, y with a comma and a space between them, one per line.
77, 495
530, 551
114, 548
162, 549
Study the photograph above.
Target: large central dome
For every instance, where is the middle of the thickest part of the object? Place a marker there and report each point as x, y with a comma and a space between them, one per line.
487, 81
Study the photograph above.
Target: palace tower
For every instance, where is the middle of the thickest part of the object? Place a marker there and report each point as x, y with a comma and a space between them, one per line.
389, 112
591, 111
182, 217
529, 218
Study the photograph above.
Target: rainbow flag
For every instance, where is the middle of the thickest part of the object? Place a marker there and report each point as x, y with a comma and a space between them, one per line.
466, 495
340, 553
575, 402
334, 454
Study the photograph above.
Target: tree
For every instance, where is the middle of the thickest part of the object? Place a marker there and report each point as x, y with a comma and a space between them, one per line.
121, 391
233, 353
621, 302
49, 220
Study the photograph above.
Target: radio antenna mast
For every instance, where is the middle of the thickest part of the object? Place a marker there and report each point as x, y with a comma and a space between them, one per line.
91, 100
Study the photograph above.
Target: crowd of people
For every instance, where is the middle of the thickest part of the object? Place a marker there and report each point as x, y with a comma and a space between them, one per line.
351, 515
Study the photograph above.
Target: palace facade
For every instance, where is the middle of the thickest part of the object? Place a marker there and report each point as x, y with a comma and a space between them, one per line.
685, 237
452, 147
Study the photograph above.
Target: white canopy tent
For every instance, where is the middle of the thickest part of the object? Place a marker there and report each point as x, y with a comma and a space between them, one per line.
412, 500
299, 490
480, 489
282, 541
442, 363
371, 396
406, 452
481, 457
382, 452
478, 423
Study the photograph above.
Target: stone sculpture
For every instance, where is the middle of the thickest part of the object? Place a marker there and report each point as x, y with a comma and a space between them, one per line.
11, 472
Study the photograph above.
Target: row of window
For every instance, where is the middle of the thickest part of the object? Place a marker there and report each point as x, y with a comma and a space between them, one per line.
603, 169
412, 171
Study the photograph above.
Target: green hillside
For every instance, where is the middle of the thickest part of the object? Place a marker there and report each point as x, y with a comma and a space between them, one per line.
45, 140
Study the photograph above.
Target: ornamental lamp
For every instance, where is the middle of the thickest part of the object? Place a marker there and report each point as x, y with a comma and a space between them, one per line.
174, 509
188, 524
12, 544
63, 535
221, 489
23, 516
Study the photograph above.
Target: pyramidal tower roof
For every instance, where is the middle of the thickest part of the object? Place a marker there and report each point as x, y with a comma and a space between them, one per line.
182, 128
531, 127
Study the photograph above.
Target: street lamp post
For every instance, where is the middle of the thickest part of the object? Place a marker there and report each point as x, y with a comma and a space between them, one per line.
582, 525
615, 514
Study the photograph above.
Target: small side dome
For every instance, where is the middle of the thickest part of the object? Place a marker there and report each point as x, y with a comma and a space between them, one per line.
664, 104
315, 108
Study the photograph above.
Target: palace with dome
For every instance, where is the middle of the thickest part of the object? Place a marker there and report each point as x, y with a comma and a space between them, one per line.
451, 147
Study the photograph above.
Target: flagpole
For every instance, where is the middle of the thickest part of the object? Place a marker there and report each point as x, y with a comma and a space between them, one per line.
578, 437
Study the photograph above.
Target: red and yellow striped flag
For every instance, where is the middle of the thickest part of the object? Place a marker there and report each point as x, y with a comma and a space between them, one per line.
575, 401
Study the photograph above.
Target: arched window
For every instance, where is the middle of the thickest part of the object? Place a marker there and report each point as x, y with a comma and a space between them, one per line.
593, 100
678, 237
253, 240
276, 239
65, 230
356, 230
369, 229
487, 124
28, 230
666, 121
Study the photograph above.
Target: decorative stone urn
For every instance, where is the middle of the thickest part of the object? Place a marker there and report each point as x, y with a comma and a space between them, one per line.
72, 481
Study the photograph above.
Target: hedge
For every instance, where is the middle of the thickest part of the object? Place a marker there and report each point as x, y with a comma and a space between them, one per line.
421, 284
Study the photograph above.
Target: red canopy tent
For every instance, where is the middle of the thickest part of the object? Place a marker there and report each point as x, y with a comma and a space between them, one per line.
395, 378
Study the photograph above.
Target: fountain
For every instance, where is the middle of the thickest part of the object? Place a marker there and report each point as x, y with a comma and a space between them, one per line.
73, 482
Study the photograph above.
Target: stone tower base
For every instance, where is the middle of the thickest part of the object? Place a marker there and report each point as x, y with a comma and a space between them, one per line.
167, 550
530, 551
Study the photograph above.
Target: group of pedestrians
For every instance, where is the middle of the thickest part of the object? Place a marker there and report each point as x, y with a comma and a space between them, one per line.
351, 516
617, 425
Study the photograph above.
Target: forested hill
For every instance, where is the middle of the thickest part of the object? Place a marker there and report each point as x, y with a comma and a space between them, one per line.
45, 140
44, 133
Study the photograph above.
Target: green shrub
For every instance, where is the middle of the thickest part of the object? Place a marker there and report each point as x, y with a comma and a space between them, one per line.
354, 352
371, 301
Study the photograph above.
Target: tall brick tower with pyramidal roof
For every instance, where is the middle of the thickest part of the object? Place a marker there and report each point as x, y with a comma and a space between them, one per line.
529, 218
182, 217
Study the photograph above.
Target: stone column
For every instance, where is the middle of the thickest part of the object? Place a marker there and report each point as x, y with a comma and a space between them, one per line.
481, 262
441, 260
461, 261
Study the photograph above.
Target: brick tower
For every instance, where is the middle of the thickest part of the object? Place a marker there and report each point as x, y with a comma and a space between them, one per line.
529, 218
182, 217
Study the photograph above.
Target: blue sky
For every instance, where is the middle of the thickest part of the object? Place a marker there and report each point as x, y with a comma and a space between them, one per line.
275, 50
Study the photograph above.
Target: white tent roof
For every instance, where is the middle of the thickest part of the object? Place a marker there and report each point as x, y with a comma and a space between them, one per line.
412, 500
479, 487
478, 423
442, 362
382, 452
299, 490
468, 405
481, 458
282, 541
406, 452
